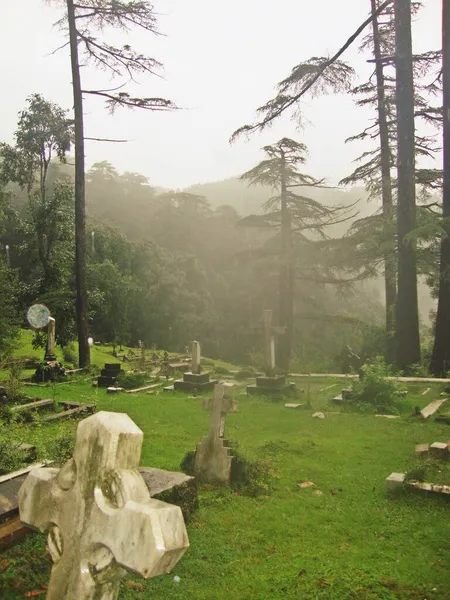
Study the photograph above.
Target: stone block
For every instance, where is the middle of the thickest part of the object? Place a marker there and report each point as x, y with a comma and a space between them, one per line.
422, 448
293, 405
106, 381
188, 386
276, 382
114, 390
395, 481
113, 367
196, 377
338, 400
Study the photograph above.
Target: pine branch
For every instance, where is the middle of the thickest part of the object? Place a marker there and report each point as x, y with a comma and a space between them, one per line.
124, 99
276, 107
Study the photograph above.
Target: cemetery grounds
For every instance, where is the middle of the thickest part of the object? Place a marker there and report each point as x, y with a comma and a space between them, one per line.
343, 537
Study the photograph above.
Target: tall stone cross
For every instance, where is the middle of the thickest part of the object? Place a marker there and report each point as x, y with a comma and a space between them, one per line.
212, 458
98, 514
195, 358
51, 336
269, 342
226, 403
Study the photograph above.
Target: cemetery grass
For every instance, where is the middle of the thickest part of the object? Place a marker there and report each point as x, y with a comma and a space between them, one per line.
351, 540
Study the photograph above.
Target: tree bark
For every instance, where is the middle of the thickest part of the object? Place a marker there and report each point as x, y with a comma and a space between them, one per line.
286, 289
407, 314
390, 273
80, 203
440, 360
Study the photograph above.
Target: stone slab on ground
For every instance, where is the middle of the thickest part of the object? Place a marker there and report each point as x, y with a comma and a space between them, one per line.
439, 448
422, 448
144, 388
431, 408
347, 376
112, 389
37, 405
72, 412
293, 405
395, 481
388, 416
172, 487
287, 390
430, 487
339, 400
67, 404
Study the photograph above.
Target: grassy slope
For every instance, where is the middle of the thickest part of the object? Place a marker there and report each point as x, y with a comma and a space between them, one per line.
356, 543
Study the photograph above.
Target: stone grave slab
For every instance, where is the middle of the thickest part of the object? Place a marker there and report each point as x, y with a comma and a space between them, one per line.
431, 408
98, 513
422, 448
439, 449
37, 405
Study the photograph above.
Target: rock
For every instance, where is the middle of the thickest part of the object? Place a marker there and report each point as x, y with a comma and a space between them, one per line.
318, 415
305, 484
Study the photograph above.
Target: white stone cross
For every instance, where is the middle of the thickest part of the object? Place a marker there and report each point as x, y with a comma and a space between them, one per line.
98, 513
269, 342
51, 334
195, 357
226, 404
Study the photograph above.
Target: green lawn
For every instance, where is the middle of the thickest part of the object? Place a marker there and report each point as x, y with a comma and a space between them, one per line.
351, 541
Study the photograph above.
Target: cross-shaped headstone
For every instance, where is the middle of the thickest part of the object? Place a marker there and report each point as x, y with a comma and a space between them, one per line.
51, 334
98, 513
226, 403
195, 357
269, 342
212, 457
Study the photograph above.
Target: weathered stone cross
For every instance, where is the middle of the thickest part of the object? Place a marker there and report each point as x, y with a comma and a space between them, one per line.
212, 458
195, 358
269, 342
226, 403
98, 513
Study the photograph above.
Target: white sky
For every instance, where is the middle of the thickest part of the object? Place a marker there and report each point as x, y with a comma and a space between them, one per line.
222, 60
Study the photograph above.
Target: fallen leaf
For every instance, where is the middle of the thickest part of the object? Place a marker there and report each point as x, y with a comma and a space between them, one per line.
135, 585
34, 593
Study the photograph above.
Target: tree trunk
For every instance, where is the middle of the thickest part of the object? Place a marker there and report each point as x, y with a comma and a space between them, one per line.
80, 217
286, 290
440, 360
390, 274
407, 314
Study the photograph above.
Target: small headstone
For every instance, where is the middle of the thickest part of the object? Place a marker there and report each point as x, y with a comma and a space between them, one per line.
195, 358
51, 336
98, 513
422, 448
395, 481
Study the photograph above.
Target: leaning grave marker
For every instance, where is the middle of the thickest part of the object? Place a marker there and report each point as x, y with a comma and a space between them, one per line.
212, 458
99, 515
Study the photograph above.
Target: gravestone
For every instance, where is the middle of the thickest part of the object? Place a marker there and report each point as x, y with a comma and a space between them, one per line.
108, 375
229, 405
194, 380
98, 513
271, 384
51, 335
213, 459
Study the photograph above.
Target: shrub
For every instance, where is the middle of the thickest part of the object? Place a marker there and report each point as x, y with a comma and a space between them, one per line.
221, 370
61, 448
13, 384
376, 393
70, 355
245, 374
130, 381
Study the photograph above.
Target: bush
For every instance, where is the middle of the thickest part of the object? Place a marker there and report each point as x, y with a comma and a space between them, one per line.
13, 385
11, 457
70, 355
130, 381
375, 393
61, 448
221, 370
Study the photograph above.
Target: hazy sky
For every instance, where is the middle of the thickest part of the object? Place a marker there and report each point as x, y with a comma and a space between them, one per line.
222, 60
